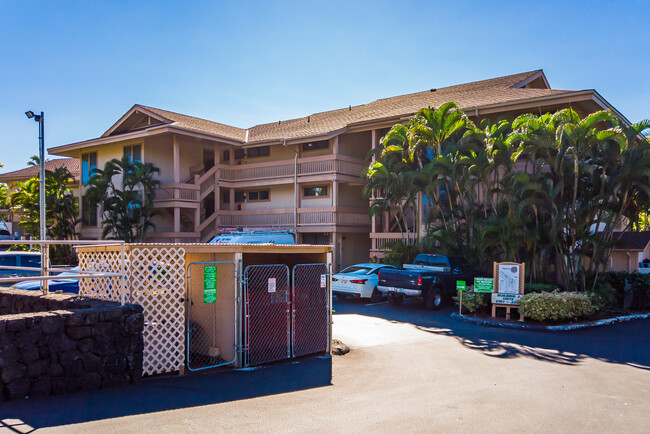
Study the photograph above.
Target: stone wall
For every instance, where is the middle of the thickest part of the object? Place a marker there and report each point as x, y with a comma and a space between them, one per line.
62, 343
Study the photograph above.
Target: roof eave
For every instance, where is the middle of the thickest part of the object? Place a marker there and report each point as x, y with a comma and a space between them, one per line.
158, 129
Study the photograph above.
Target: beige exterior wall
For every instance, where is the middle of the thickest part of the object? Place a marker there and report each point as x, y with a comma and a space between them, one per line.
355, 249
355, 145
281, 196
277, 152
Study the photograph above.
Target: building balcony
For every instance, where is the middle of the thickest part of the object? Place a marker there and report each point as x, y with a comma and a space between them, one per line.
327, 164
177, 194
326, 216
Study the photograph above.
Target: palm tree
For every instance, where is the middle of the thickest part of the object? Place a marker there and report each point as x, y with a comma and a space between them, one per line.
127, 210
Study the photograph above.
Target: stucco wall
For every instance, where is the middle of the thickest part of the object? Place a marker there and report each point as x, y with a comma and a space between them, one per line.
355, 144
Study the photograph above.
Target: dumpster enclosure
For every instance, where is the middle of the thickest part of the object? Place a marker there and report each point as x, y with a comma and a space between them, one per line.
210, 305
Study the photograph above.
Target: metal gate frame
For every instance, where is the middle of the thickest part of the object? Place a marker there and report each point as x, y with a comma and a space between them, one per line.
247, 312
188, 332
328, 306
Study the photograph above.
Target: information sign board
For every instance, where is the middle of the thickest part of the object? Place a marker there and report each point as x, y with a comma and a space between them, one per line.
209, 284
271, 284
483, 284
513, 299
323, 280
460, 285
509, 279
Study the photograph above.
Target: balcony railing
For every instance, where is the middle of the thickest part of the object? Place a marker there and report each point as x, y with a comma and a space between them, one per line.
285, 217
379, 239
285, 168
177, 191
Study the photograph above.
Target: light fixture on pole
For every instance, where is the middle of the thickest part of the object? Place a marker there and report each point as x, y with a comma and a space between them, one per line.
41, 196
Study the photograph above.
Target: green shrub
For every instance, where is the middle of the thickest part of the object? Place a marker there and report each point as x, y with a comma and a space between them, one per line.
624, 290
533, 288
473, 301
558, 306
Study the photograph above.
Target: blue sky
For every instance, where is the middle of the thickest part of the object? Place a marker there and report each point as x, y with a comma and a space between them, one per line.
244, 63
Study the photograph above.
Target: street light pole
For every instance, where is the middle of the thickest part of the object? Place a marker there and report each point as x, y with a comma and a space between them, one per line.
45, 286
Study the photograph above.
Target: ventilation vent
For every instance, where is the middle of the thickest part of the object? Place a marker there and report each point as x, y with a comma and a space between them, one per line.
145, 122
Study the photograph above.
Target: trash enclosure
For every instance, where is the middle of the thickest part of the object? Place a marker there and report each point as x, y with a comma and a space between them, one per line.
209, 305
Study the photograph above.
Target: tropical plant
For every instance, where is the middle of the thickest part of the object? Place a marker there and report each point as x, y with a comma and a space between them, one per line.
125, 192
549, 190
61, 209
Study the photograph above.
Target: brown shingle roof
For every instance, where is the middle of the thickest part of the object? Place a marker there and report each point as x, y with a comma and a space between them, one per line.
72, 165
201, 125
468, 96
500, 90
632, 240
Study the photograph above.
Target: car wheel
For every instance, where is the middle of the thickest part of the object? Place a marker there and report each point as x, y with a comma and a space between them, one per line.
395, 299
433, 299
341, 297
376, 295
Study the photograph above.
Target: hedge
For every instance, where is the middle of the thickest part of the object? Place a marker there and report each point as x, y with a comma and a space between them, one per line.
558, 306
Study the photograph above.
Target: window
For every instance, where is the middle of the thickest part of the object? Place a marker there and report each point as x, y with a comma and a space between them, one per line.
8, 261
260, 151
239, 197
88, 213
30, 261
319, 191
134, 153
226, 156
258, 196
323, 144
88, 163
239, 154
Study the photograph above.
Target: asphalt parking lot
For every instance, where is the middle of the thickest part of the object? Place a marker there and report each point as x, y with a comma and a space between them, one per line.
409, 369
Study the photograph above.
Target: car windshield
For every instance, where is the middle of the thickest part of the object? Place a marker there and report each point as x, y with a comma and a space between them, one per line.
356, 270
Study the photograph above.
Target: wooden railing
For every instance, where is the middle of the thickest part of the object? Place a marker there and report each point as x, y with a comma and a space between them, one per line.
270, 217
380, 238
285, 217
177, 191
285, 168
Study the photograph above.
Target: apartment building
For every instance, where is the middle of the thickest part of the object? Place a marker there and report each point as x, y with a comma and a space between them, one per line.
304, 174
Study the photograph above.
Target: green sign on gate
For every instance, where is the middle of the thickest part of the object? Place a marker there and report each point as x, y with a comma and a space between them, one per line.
460, 285
483, 284
209, 284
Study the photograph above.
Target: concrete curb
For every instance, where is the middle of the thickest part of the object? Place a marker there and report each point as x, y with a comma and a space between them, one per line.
557, 328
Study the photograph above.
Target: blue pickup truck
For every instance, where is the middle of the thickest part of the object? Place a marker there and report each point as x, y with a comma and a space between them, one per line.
431, 277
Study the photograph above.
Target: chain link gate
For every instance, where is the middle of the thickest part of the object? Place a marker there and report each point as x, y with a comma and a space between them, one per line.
212, 291
310, 310
267, 307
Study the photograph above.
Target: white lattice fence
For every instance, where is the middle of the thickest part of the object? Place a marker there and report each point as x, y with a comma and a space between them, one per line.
156, 281
104, 288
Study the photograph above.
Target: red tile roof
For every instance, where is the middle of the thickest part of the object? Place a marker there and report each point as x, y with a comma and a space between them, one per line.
72, 164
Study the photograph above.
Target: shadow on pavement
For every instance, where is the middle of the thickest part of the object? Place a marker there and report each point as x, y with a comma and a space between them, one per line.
168, 393
624, 343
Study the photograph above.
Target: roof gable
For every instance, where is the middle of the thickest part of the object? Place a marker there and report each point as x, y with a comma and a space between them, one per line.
137, 118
